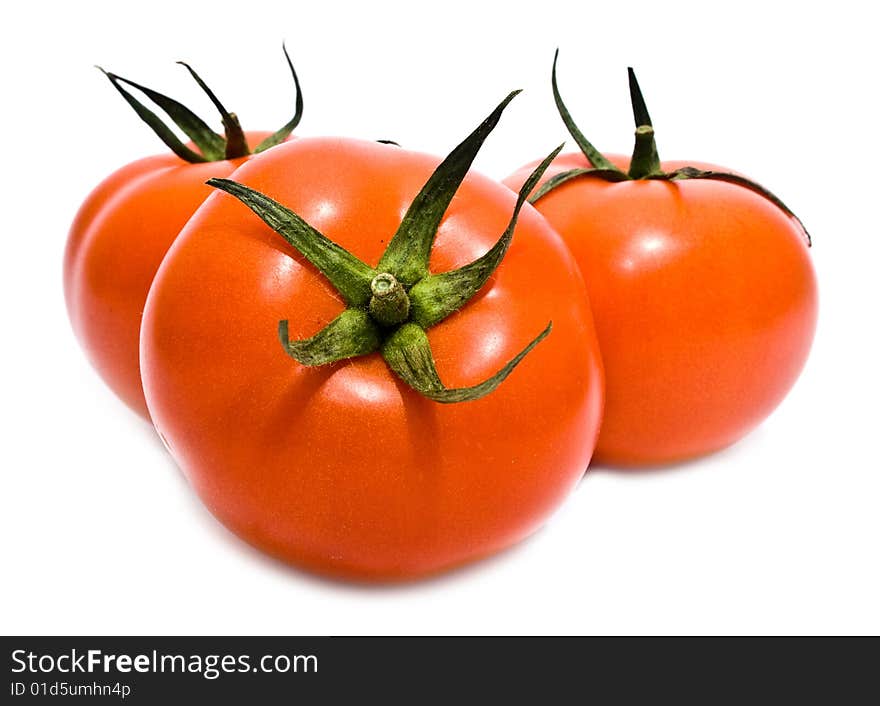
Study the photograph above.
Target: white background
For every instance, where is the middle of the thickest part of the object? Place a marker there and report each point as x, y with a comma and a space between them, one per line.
778, 534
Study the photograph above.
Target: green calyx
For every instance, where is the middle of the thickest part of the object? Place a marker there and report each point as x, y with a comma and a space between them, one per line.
211, 146
391, 306
645, 161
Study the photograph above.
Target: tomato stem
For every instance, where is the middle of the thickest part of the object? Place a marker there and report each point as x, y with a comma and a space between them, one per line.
645, 161
389, 304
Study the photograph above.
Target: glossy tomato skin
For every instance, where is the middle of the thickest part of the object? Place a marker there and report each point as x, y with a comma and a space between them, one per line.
705, 304
115, 245
343, 469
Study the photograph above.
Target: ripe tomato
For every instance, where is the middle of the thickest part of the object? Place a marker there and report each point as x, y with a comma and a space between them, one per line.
345, 469
703, 294
124, 228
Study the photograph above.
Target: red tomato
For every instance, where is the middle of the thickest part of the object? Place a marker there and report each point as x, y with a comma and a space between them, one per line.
705, 305
126, 225
344, 469
115, 246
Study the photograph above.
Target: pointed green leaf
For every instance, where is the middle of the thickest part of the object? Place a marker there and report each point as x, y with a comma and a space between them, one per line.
694, 173
346, 273
351, 334
280, 135
640, 110
594, 156
408, 252
236, 142
558, 180
435, 297
162, 131
210, 144
408, 353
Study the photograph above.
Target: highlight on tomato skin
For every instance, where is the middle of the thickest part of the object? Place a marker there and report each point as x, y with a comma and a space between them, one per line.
364, 440
129, 221
701, 285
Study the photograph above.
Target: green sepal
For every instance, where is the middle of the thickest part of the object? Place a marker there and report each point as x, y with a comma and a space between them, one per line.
408, 353
694, 173
640, 110
236, 142
437, 296
594, 156
563, 177
163, 132
350, 276
645, 162
379, 316
408, 252
351, 334
280, 135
